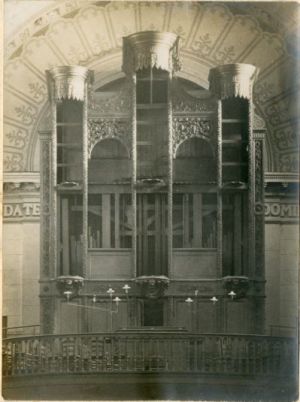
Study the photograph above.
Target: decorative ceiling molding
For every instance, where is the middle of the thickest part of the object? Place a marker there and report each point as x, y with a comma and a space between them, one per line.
279, 177
210, 33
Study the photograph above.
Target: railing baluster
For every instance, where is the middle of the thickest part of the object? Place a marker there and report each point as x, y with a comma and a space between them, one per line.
97, 353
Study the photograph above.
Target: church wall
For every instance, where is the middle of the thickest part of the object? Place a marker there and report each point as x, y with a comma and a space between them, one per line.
21, 273
21, 249
281, 258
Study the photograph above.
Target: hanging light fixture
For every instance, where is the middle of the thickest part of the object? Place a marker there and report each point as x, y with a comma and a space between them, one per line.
126, 288
110, 291
189, 300
68, 294
232, 294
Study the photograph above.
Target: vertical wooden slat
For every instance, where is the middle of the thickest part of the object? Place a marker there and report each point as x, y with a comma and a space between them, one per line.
237, 224
106, 221
219, 193
144, 212
140, 233
197, 220
186, 222
65, 236
158, 233
117, 220
245, 235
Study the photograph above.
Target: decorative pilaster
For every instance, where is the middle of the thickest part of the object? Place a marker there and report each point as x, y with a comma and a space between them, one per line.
53, 222
134, 174
48, 308
251, 191
170, 175
259, 204
45, 200
219, 190
85, 182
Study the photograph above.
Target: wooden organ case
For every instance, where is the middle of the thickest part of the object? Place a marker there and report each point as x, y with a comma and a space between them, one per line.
154, 183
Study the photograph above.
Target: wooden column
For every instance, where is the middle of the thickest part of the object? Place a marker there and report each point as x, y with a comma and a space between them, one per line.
85, 181
170, 176
46, 269
134, 174
53, 224
219, 191
251, 194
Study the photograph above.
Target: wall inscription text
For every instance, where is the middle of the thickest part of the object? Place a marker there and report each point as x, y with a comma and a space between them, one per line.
21, 210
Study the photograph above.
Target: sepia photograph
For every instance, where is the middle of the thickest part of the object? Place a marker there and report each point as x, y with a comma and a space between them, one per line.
150, 200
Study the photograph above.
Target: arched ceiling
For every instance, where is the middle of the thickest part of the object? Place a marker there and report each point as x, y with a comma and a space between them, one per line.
90, 33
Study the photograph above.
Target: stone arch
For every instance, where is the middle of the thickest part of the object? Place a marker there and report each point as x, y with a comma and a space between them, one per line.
211, 34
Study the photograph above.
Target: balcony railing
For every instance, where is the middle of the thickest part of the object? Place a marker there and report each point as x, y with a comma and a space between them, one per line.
144, 352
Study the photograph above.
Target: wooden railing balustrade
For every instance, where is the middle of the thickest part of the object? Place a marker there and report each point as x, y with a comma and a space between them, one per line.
252, 355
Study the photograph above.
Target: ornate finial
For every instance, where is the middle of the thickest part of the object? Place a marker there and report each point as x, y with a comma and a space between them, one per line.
68, 82
232, 80
150, 49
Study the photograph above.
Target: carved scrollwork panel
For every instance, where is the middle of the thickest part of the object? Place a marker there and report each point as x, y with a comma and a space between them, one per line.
185, 128
100, 129
45, 207
111, 103
47, 315
259, 207
183, 102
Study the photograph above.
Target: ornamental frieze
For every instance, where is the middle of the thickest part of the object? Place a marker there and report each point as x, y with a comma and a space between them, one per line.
185, 128
184, 103
32, 209
107, 103
15, 187
103, 128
